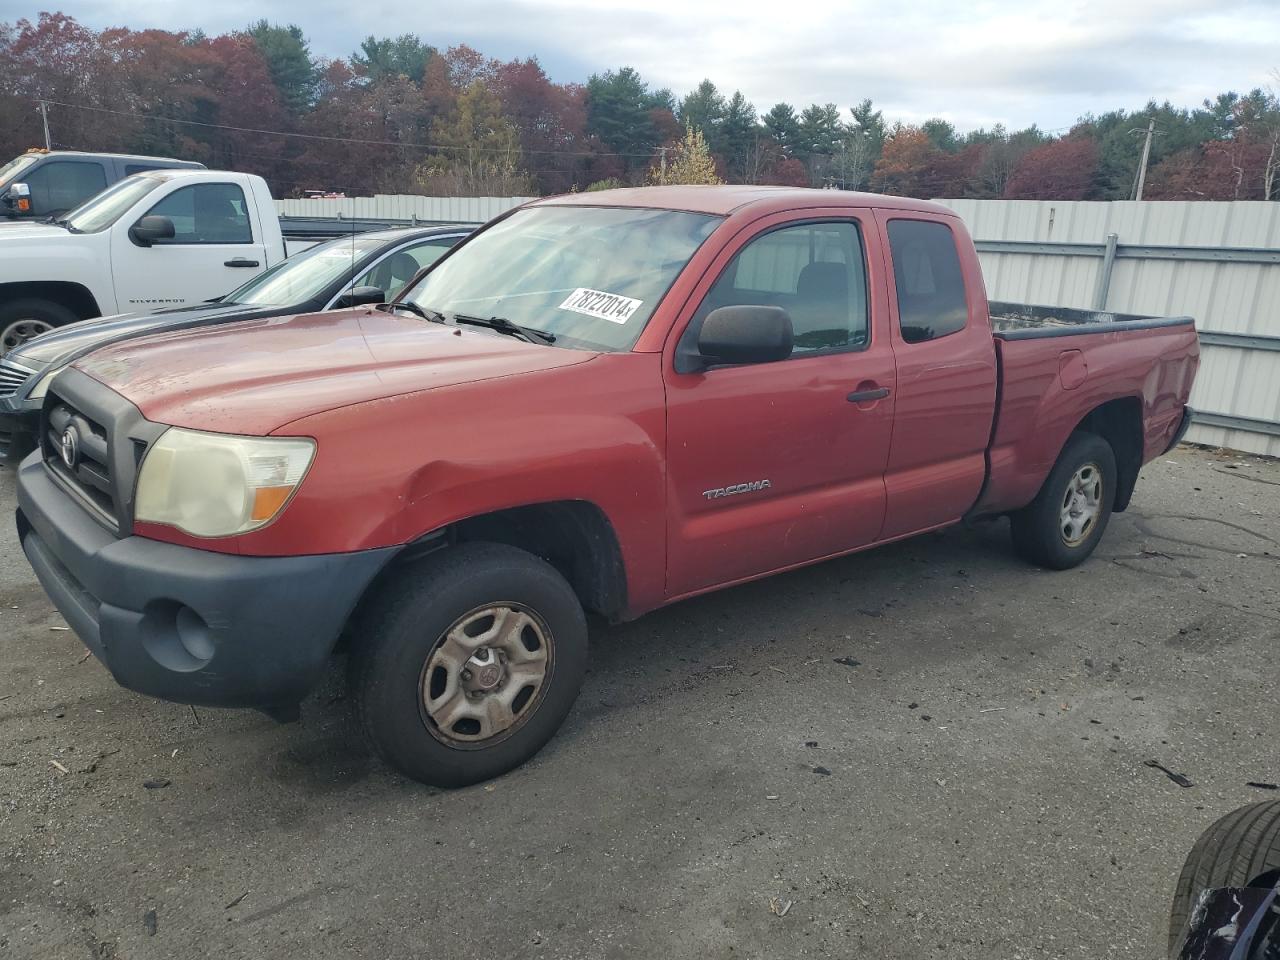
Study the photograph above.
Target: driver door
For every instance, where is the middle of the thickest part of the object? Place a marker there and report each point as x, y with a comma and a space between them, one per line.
772, 465
214, 249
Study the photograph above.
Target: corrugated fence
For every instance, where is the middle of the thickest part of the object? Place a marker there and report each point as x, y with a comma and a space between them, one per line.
1217, 262
404, 207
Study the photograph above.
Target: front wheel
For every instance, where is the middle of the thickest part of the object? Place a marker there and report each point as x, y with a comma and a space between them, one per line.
22, 320
467, 662
1063, 524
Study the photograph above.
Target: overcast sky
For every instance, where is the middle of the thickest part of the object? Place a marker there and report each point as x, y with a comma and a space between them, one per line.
974, 62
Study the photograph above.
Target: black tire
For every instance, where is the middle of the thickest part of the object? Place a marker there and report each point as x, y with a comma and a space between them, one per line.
1037, 528
44, 312
398, 632
1241, 849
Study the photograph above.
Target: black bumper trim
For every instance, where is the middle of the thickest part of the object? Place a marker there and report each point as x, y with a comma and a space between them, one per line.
189, 625
1188, 414
17, 436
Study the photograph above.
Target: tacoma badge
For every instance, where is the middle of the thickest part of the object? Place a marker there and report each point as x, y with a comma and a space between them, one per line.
737, 488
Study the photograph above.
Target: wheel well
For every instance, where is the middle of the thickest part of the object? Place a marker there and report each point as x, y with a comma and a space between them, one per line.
75, 297
574, 536
1119, 422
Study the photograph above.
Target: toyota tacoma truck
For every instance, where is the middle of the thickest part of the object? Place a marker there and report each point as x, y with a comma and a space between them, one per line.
597, 403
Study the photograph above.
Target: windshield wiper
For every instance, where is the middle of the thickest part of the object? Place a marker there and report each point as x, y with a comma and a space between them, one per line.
64, 223
435, 316
503, 325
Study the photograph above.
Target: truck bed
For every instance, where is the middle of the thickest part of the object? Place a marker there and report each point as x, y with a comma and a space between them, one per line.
1058, 364
1029, 321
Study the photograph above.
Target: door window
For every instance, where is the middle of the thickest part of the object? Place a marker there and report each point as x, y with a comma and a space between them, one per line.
59, 185
391, 273
928, 278
814, 271
206, 213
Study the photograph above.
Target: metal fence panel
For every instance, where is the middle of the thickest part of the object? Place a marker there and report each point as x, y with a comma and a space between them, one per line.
1217, 261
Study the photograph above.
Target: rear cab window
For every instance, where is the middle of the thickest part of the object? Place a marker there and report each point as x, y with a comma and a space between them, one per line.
928, 279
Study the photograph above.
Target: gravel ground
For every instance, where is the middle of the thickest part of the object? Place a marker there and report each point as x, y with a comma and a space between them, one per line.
969, 782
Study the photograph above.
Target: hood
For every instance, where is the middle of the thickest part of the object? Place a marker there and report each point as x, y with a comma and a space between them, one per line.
256, 376
18, 231
64, 343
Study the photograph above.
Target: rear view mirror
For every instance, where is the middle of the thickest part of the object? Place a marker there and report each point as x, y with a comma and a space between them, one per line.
748, 334
150, 229
360, 296
18, 198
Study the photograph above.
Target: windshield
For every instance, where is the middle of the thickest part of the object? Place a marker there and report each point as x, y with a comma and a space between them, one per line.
590, 275
305, 275
15, 166
100, 211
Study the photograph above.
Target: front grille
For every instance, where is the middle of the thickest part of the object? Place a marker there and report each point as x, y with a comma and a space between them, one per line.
12, 377
71, 435
111, 437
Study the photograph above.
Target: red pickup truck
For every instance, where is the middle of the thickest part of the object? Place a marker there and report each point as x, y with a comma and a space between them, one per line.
604, 402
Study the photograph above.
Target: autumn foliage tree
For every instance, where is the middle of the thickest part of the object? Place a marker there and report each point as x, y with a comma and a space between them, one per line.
906, 167
1061, 170
690, 162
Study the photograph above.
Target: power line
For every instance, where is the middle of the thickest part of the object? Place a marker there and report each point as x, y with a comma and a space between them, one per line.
321, 137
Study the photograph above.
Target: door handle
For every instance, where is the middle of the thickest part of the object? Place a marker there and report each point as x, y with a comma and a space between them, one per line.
240, 262
864, 396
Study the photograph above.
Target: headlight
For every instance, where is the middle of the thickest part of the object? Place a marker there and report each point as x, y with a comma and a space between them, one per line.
215, 485
42, 385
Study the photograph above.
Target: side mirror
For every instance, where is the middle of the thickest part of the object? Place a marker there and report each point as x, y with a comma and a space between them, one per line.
150, 229
750, 334
359, 296
18, 198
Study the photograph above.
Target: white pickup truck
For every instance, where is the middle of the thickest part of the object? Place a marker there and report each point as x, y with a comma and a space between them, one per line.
157, 239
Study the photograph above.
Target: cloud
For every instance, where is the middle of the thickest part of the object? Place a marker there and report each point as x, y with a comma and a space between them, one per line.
976, 63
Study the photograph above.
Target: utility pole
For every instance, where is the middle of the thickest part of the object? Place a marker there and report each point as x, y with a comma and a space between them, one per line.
1146, 155
663, 161
44, 115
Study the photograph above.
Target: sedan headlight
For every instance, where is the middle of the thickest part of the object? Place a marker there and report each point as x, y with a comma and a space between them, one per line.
216, 485
42, 385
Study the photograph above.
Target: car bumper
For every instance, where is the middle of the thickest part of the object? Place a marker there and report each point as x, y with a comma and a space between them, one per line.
17, 435
1187, 415
189, 625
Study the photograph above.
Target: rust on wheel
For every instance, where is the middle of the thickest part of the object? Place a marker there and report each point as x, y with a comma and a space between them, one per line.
485, 675
1081, 505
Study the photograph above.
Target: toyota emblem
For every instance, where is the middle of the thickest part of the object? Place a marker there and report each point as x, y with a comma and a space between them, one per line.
70, 447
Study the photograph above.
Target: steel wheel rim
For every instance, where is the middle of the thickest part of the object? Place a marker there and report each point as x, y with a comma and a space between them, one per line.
1081, 505
486, 675
20, 331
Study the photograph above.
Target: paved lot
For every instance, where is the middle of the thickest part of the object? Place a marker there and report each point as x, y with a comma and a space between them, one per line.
985, 796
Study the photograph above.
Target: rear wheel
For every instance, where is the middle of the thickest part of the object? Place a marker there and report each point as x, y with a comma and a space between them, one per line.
1242, 849
468, 662
1063, 524
23, 320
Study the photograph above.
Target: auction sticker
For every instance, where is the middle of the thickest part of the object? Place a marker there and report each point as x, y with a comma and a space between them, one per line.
604, 306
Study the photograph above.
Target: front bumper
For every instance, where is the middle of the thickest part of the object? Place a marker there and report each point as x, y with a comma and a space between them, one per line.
189, 625
19, 415
17, 434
